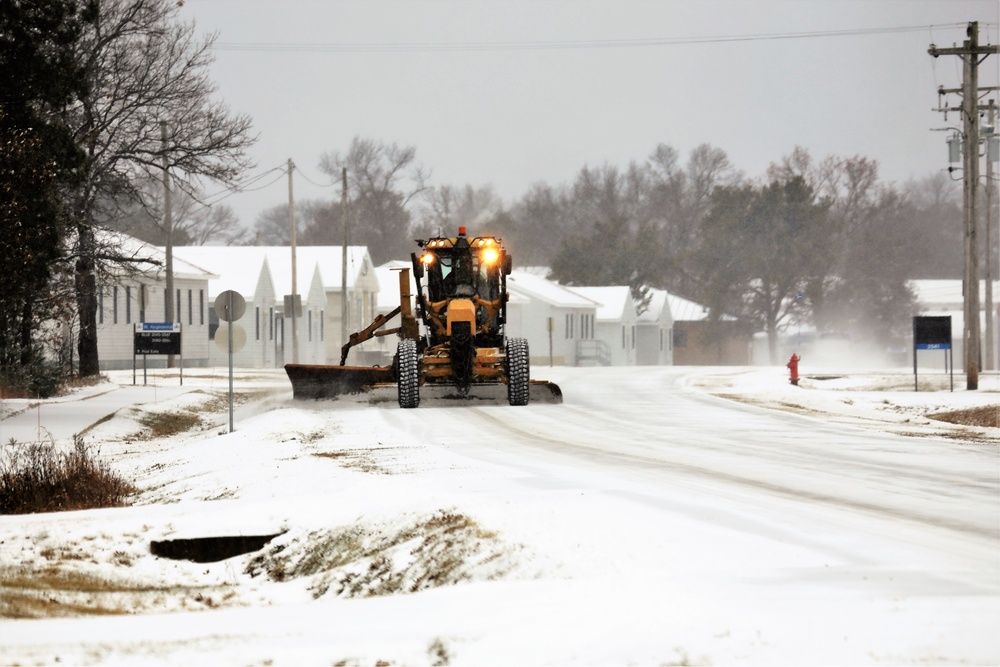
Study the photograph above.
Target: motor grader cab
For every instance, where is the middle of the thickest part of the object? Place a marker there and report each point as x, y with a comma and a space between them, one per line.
455, 341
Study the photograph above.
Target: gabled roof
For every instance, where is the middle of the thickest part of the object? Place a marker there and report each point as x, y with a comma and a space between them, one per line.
686, 311
235, 268
535, 286
151, 259
238, 267
658, 308
613, 302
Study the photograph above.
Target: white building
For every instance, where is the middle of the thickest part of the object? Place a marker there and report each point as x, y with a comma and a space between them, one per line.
558, 322
128, 298
615, 321
655, 332
263, 275
945, 298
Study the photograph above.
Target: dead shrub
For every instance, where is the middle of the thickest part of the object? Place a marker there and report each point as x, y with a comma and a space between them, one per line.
35, 477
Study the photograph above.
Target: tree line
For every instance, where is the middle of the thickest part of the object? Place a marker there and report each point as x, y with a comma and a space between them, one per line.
824, 243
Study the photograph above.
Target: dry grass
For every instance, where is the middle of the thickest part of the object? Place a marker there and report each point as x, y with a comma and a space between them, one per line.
55, 592
36, 477
164, 424
986, 416
358, 561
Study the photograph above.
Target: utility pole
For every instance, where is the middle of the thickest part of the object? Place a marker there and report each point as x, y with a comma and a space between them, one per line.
295, 291
168, 229
970, 53
343, 260
990, 360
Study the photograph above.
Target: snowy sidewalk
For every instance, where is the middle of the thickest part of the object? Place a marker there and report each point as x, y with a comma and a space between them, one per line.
26, 420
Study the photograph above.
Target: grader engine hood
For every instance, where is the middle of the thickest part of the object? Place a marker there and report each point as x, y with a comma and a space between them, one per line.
461, 310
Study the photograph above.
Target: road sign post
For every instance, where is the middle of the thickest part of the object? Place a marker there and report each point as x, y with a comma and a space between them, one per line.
230, 306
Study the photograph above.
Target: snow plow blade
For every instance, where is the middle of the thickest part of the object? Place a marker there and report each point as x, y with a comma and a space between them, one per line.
540, 392
319, 382
310, 382
543, 391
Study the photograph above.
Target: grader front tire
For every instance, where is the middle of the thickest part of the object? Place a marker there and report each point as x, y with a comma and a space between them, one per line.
409, 374
518, 371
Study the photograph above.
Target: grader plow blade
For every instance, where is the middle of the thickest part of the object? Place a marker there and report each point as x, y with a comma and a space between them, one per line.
323, 382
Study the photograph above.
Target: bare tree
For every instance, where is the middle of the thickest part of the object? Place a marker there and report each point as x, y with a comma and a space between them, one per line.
384, 181
146, 71
193, 223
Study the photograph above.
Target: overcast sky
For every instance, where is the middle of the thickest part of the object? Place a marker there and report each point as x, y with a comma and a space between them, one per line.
586, 83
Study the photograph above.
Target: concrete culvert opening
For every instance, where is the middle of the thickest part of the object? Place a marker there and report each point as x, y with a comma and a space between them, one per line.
209, 549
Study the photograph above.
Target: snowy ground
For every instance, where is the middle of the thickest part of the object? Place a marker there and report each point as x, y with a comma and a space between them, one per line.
658, 517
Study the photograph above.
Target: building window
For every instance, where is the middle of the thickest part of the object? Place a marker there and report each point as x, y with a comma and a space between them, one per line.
177, 307
256, 323
680, 338
322, 329
100, 304
661, 340
623, 337
166, 298
128, 305
190, 309
142, 303
114, 305
310, 319
201, 306
270, 323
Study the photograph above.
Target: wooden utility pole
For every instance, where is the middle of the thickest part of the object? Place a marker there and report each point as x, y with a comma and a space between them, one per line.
989, 341
168, 230
971, 54
344, 310
295, 290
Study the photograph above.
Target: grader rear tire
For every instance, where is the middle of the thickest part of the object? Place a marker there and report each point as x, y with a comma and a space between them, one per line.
518, 371
409, 374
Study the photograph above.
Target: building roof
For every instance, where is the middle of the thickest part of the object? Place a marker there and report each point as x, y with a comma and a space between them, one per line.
535, 286
946, 295
235, 268
658, 308
686, 311
151, 259
612, 301
238, 267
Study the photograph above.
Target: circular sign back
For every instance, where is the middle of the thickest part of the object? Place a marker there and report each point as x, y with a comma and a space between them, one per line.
222, 337
230, 306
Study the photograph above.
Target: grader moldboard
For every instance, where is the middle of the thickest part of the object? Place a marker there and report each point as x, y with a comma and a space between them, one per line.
462, 351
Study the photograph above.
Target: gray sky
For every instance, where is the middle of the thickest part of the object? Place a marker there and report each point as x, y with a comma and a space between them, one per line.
578, 88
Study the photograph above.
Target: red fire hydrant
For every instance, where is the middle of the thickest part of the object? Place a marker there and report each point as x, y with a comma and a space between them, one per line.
793, 367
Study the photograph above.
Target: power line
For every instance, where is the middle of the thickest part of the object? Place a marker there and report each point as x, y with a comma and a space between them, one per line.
552, 45
309, 180
243, 186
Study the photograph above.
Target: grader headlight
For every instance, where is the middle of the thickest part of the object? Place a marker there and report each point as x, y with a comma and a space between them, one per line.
490, 256
427, 259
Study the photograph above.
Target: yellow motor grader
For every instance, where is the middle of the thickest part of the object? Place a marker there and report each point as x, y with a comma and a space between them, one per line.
461, 345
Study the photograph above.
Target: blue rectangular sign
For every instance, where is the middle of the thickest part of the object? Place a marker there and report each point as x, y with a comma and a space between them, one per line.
933, 346
158, 326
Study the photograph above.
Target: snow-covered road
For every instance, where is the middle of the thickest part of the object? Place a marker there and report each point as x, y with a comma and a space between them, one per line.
643, 521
